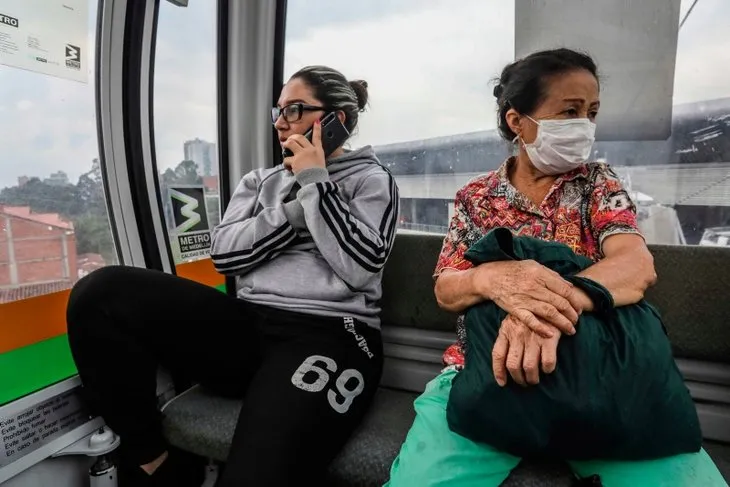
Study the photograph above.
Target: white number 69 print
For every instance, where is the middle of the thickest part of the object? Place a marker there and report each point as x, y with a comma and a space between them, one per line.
341, 400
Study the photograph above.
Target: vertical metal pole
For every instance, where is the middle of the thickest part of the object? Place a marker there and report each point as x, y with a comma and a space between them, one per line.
11, 251
65, 262
103, 473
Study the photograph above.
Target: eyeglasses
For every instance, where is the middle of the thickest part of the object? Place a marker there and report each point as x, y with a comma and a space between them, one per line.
293, 112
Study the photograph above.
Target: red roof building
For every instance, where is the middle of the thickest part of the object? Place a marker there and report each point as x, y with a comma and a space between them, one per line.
37, 253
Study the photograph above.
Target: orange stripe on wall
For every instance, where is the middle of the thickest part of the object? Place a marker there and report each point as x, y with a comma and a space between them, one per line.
201, 271
32, 320
29, 321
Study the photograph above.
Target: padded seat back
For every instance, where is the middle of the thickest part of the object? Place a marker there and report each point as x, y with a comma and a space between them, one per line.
691, 293
408, 299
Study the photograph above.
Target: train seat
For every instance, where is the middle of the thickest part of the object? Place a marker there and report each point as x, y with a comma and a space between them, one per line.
691, 295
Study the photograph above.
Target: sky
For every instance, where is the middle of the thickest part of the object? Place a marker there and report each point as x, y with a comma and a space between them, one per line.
429, 65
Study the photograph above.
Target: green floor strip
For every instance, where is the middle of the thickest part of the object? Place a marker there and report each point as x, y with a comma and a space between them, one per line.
29, 369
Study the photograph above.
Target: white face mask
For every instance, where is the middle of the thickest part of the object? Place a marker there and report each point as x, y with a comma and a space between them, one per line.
561, 145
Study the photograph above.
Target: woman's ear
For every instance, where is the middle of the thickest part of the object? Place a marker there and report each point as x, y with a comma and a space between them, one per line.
514, 120
341, 116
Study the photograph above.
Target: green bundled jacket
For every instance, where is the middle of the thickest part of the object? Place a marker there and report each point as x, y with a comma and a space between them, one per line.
616, 392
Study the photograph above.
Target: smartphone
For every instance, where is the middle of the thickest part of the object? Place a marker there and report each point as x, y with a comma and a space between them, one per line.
334, 134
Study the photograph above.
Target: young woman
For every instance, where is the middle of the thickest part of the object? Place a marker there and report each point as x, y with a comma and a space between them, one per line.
307, 241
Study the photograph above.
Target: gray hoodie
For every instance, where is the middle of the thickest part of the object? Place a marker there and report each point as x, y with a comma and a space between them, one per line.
320, 252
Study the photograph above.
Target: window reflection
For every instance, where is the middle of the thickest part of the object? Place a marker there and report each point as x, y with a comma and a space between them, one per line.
54, 226
432, 114
185, 110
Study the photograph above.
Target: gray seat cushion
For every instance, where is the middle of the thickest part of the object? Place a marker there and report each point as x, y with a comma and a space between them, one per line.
202, 423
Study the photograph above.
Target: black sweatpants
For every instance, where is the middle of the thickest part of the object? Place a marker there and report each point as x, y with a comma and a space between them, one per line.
306, 380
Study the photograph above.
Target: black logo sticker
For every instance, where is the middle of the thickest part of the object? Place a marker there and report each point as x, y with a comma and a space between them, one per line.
73, 57
8, 20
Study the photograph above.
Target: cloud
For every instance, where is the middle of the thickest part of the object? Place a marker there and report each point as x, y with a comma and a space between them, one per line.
185, 79
703, 53
303, 19
23, 105
48, 123
55, 130
428, 63
428, 70
37, 134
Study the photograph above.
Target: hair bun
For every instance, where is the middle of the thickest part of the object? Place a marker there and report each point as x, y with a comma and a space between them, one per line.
360, 87
498, 91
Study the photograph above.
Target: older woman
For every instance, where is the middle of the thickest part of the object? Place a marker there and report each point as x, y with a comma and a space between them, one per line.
548, 103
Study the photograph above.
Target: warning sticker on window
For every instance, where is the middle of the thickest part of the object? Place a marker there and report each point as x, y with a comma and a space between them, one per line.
29, 429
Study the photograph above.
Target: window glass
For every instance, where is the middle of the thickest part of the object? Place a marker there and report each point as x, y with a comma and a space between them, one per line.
185, 124
694, 183
54, 226
432, 114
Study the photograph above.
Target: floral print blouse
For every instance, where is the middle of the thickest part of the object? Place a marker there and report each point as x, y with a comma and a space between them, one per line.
581, 209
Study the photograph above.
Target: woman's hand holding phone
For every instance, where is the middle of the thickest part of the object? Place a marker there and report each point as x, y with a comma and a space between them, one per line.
306, 154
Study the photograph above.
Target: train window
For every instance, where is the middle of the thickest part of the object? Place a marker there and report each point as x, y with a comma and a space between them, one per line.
688, 187
432, 113
185, 126
428, 68
54, 226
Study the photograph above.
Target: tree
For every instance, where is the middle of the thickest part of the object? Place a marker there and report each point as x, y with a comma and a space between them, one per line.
187, 173
42, 197
168, 177
91, 191
93, 236
84, 203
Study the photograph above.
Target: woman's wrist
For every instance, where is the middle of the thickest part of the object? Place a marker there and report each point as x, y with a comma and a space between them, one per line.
482, 279
583, 300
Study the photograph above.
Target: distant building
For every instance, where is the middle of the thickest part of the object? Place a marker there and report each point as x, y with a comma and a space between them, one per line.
212, 199
58, 178
37, 253
23, 180
204, 154
87, 263
211, 184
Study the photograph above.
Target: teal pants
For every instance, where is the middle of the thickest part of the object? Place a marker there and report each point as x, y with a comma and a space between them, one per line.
433, 455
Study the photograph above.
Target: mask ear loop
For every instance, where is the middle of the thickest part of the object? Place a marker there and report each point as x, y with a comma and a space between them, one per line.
517, 138
533, 120
520, 139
